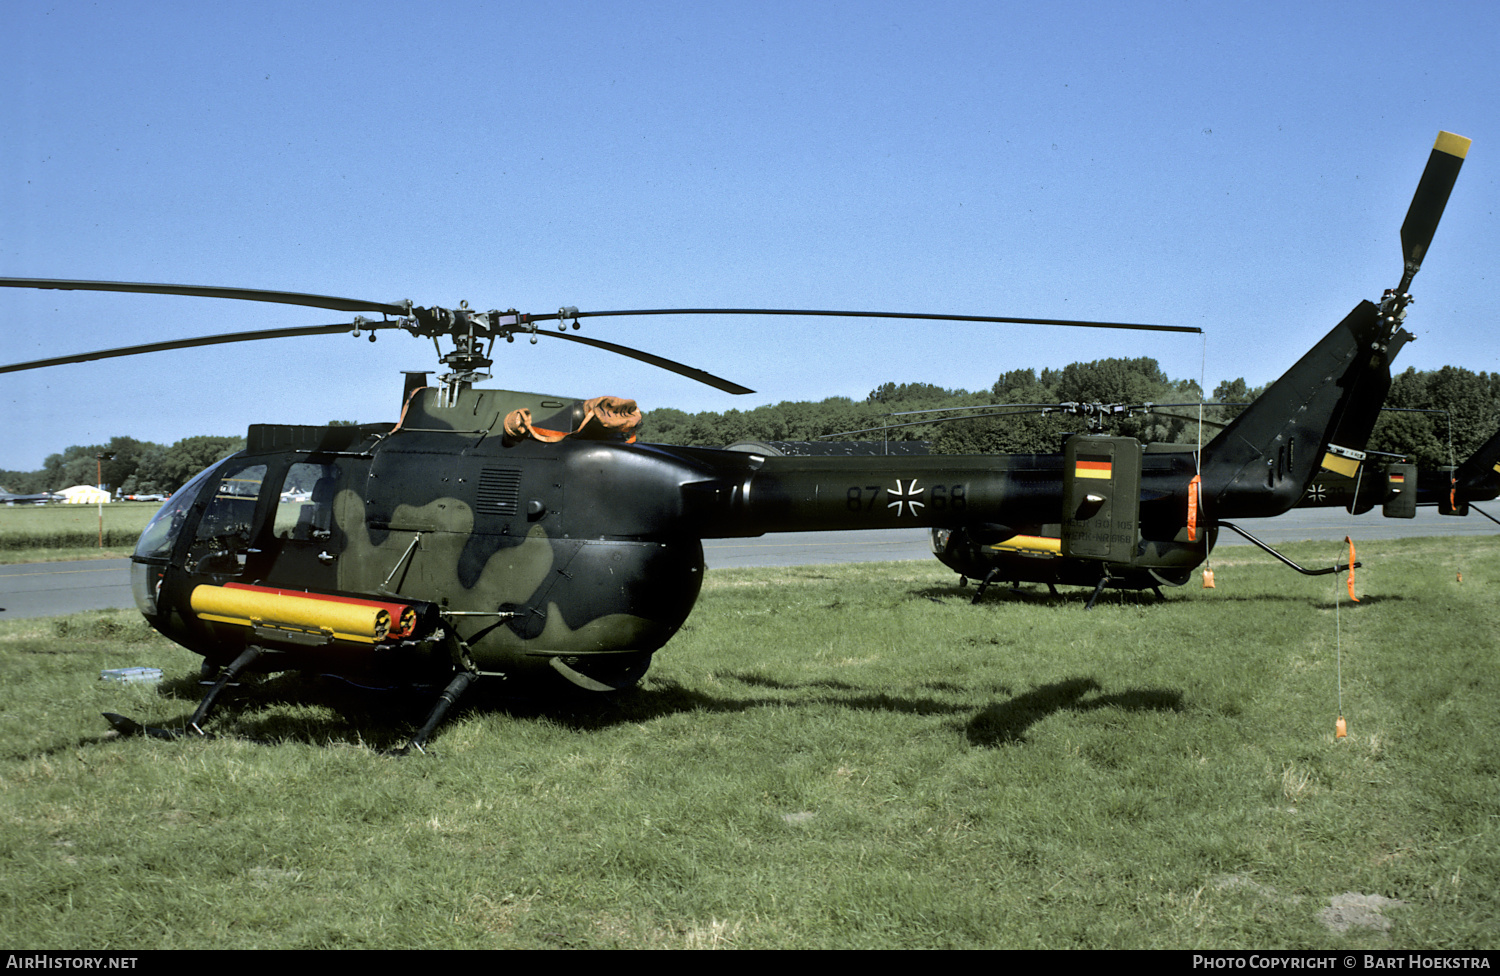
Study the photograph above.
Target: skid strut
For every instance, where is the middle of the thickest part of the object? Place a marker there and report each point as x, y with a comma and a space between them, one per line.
984, 584
456, 687
247, 657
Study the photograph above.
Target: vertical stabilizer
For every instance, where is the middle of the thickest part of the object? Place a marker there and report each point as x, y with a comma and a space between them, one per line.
1318, 415
1478, 478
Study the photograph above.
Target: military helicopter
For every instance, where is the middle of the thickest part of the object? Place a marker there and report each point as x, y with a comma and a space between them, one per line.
510, 535
1139, 518
1399, 487
487, 533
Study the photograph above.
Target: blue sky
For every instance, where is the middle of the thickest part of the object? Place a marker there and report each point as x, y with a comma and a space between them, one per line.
1243, 168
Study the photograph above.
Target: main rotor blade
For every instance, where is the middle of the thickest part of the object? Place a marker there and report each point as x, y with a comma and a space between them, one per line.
84, 357
1068, 406
1431, 197
211, 291
314, 330
357, 305
928, 316
931, 422
981, 406
646, 357
389, 308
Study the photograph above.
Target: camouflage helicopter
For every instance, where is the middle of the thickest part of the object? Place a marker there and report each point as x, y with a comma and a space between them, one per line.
511, 535
486, 533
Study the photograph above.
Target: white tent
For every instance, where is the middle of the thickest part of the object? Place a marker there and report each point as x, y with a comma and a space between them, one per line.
83, 495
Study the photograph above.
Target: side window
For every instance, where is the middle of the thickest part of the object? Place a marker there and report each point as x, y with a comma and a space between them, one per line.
305, 509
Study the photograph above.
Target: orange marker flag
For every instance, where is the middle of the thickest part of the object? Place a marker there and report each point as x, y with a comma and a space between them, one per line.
1192, 525
1351, 569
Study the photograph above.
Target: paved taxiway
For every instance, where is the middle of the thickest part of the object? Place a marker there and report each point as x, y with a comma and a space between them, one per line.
53, 589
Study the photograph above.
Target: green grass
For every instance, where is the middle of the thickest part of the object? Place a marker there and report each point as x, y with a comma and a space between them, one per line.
45, 533
824, 757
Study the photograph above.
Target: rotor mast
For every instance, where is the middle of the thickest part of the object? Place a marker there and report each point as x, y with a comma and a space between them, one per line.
469, 330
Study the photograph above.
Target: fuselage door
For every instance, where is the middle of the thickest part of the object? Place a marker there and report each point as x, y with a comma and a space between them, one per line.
1101, 498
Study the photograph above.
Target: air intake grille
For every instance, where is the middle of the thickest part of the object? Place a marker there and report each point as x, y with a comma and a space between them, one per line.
499, 490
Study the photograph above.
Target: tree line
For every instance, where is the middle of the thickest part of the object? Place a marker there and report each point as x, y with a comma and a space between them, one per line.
133, 466
894, 411
1460, 411
1463, 411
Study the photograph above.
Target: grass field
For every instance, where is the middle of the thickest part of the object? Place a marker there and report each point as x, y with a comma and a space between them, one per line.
825, 757
36, 533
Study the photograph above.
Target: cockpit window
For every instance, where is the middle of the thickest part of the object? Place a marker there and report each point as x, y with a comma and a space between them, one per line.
305, 509
231, 510
161, 532
228, 522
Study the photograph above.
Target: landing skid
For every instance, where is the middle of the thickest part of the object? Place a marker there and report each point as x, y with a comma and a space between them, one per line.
984, 585
1099, 588
990, 578
194, 727
126, 726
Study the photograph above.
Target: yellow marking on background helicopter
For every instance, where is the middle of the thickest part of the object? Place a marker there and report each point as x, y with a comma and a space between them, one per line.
1030, 545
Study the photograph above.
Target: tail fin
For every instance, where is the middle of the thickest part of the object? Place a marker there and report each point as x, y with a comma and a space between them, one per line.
1318, 415
1478, 478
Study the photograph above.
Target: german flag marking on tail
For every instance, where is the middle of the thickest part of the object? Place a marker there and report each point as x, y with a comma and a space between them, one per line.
1093, 466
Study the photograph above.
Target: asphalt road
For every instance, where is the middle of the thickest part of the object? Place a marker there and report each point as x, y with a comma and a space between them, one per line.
53, 589
810, 548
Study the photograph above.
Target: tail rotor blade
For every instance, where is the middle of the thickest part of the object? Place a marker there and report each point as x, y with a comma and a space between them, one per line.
1431, 197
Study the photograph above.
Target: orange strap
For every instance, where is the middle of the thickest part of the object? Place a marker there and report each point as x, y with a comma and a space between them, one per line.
1194, 487
601, 416
1351, 569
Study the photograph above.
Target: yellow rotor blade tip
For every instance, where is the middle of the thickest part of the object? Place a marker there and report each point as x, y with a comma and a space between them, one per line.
1452, 144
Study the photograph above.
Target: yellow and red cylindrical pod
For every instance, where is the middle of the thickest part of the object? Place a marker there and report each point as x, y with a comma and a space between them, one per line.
403, 615
255, 606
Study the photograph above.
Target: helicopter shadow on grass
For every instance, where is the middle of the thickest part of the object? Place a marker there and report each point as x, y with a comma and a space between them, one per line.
1008, 596
298, 707
256, 711
1318, 601
1036, 595
1006, 723
327, 711
857, 698
324, 710
995, 725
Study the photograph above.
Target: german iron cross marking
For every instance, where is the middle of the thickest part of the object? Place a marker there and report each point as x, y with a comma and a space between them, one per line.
905, 496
